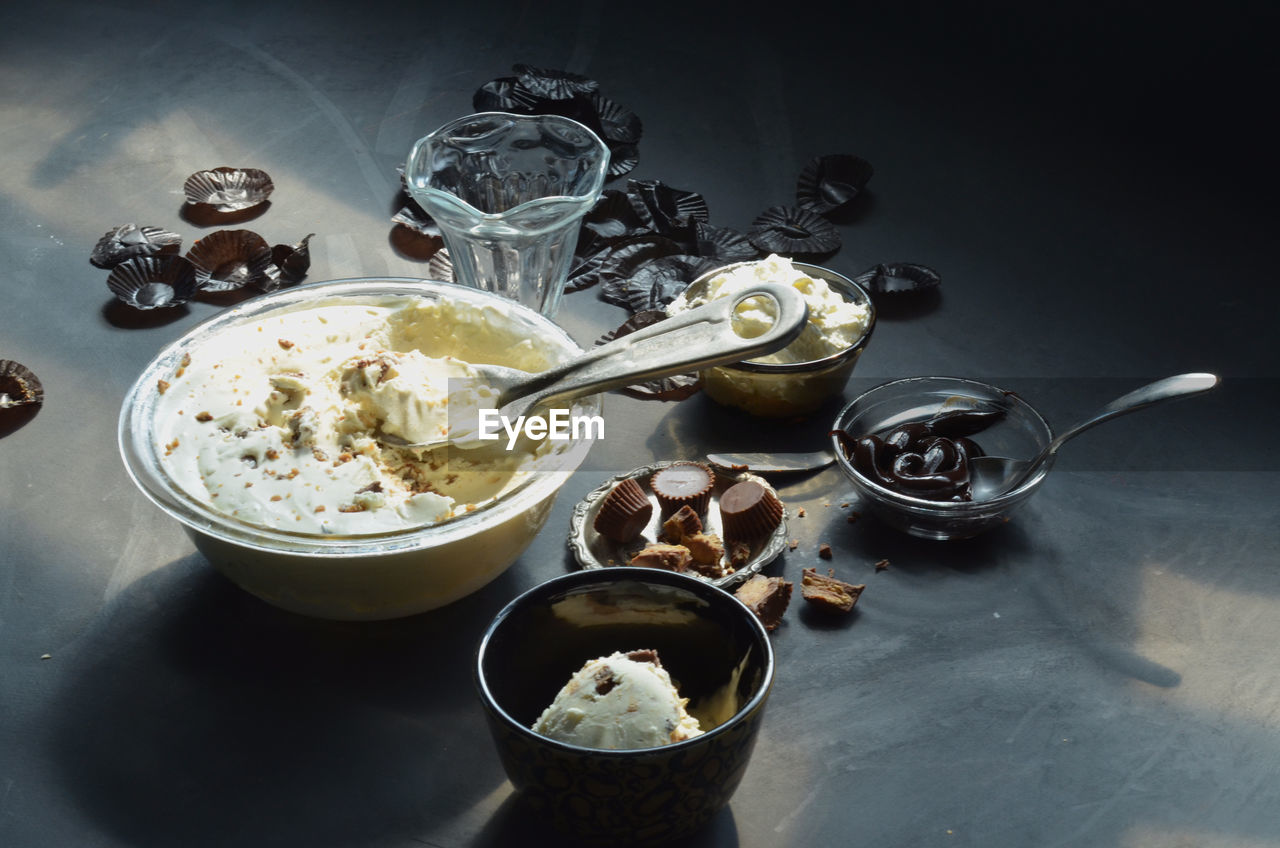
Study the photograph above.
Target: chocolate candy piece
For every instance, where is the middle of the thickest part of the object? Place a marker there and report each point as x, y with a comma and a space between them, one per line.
749, 510
682, 524
827, 592
624, 512
767, 597
708, 554
683, 484
667, 557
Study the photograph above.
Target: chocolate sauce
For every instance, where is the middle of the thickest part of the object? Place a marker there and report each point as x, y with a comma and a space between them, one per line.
924, 459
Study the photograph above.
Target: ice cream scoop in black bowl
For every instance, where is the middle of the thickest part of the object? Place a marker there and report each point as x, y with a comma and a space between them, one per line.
717, 655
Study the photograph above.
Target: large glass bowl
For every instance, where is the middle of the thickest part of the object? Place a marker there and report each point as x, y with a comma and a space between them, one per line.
369, 576
782, 390
1022, 433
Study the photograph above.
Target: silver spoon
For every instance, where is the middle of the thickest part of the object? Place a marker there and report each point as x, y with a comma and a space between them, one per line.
991, 476
688, 341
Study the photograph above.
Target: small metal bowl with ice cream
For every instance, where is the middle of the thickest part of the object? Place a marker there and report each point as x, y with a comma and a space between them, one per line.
625, 702
263, 431
801, 377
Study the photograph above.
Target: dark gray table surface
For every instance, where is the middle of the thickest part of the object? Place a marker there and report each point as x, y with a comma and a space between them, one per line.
1096, 186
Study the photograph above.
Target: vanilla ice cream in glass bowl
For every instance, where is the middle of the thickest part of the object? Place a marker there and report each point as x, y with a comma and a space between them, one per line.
275, 433
814, 368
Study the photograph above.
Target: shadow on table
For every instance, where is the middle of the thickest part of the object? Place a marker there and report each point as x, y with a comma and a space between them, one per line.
515, 823
200, 716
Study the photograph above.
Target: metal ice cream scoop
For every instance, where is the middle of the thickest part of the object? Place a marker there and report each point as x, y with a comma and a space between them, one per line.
688, 341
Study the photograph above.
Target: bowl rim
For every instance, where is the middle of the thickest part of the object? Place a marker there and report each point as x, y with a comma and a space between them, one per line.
827, 275
956, 508
621, 573
596, 175
199, 517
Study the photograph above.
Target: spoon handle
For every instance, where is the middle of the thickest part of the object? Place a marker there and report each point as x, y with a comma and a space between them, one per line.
1180, 385
688, 341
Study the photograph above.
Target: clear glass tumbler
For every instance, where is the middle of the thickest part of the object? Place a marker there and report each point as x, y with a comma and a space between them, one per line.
509, 192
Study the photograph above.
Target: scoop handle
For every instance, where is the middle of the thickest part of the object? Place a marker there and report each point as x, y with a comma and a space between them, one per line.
687, 341
1179, 385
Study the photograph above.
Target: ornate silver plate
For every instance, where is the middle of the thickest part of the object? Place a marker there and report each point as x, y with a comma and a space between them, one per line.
595, 551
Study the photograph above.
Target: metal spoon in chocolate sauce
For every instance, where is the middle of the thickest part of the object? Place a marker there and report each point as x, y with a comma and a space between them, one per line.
992, 476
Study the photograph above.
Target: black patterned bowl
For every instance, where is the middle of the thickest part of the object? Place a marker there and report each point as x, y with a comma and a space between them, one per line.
713, 647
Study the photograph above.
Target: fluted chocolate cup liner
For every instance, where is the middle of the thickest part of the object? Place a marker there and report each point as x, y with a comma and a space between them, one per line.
228, 189
232, 259
130, 240
153, 282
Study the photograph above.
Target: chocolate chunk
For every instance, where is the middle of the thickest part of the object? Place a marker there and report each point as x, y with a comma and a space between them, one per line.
624, 512
645, 655
667, 557
708, 554
827, 592
605, 681
684, 522
749, 510
683, 484
739, 554
767, 597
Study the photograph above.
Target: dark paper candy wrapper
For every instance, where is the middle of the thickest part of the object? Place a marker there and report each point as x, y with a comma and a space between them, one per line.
828, 183
724, 244
667, 210
293, 260
623, 158
228, 189
130, 240
154, 282
793, 231
548, 91
657, 282
612, 267
19, 386
226, 260
608, 222
504, 94
618, 124
416, 218
440, 266
553, 84
899, 278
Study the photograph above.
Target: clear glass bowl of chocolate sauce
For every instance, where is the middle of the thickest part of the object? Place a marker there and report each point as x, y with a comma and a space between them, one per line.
904, 445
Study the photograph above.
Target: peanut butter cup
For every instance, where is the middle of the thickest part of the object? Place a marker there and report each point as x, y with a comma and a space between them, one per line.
767, 597
666, 557
683, 484
828, 592
683, 523
624, 512
749, 510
